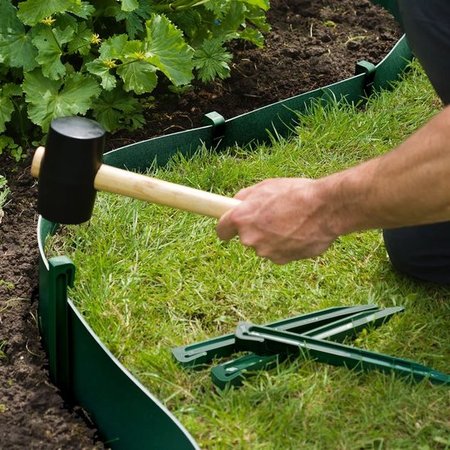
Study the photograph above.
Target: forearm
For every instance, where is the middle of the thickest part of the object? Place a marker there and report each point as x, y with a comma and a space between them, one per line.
292, 218
408, 186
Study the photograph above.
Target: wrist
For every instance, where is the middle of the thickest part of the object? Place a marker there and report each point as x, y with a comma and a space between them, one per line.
345, 197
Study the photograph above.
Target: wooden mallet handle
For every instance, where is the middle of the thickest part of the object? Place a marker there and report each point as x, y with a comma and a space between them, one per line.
153, 190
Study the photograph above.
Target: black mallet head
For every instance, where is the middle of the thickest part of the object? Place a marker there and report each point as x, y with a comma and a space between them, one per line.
72, 157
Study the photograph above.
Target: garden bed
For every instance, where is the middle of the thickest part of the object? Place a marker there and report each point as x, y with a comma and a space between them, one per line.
312, 44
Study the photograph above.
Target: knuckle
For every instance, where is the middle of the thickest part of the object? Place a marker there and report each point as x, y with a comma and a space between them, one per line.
264, 253
246, 240
280, 260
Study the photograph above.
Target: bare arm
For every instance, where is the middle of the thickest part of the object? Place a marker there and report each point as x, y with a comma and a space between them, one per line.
292, 218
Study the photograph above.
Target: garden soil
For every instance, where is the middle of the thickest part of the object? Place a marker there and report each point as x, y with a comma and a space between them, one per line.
312, 44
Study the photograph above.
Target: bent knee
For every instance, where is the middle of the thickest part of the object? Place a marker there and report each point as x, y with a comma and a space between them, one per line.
421, 252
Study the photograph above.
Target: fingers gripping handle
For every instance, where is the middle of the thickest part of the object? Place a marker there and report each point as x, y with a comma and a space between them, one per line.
153, 190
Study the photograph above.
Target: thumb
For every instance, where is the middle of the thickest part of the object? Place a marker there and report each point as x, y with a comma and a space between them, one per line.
225, 228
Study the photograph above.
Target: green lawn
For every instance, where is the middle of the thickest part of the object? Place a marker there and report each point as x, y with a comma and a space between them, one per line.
150, 278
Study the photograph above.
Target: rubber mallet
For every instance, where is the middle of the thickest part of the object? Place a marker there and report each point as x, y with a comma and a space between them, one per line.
70, 171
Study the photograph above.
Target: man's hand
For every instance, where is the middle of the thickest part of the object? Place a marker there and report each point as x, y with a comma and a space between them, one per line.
283, 219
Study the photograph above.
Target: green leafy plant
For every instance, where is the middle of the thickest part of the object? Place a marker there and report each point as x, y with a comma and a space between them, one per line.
4, 192
101, 58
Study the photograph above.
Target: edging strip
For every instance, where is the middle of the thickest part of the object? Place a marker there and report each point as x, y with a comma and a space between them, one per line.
125, 412
258, 126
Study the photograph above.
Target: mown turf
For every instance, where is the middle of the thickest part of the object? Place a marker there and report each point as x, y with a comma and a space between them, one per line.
150, 278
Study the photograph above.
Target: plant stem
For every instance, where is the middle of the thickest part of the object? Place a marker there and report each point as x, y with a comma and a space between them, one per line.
56, 40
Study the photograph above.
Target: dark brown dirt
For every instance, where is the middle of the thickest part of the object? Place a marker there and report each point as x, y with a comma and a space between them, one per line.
311, 44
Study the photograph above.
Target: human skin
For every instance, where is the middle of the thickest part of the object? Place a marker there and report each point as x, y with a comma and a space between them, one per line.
286, 219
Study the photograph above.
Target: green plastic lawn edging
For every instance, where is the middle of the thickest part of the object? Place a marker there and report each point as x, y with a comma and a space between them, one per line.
126, 414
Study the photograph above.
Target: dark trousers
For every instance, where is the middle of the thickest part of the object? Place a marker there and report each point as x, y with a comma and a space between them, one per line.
423, 252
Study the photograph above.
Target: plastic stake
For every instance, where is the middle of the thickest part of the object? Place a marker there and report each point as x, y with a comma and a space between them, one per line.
200, 353
233, 372
266, 340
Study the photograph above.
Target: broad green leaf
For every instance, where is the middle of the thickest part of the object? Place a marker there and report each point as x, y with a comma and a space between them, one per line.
7, 91
12, 90
138, 76
16, 48
49, 99
232, 21
32, 12
78, 90
166, 48
258, 19
49, 43
100, 68
192, 23
8, 18
252, 35
133, 23
6, 109
117, 109
83, 9
35, 86
134, 20
129, 5
81, 41
113, 48
218, 7
211, 61
110, 51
